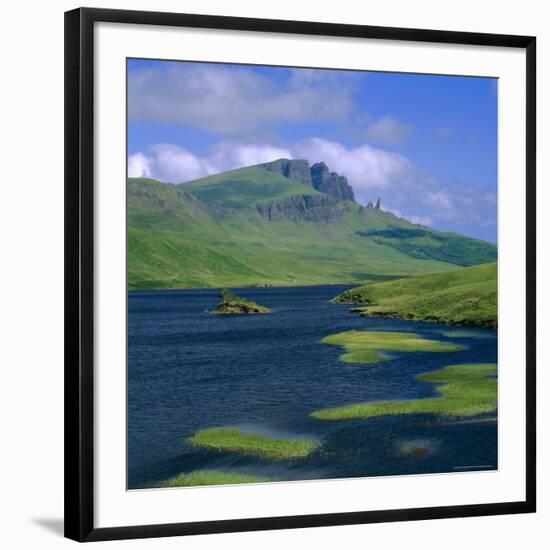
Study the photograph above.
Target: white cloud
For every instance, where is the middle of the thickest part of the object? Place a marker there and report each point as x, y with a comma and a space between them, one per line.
139, 166
173, 164
366, 167
388, 131
230, 155
421, 220
168, 163
235, 101
440, 199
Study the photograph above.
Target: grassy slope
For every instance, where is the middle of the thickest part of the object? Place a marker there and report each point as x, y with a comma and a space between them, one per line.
245, 187
463, 390
425, 243
466, 297
177, 241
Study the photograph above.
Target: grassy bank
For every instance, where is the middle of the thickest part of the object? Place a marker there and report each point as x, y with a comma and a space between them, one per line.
465, 297
464, 390
233, 440
367, 347
211, 477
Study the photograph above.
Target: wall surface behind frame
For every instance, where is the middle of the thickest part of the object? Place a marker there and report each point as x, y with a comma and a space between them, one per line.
31, 226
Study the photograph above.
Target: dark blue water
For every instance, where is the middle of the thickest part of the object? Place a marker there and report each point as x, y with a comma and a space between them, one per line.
189, 370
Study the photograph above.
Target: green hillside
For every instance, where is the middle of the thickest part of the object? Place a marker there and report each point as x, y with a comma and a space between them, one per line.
245, 187
424, 243
466, 297
255, 227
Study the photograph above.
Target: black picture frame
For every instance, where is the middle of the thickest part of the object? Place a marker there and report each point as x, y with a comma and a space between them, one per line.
79, 269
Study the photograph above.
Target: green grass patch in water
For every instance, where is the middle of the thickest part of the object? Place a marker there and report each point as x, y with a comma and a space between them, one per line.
212, 477
367, 347
464, 390
233, 440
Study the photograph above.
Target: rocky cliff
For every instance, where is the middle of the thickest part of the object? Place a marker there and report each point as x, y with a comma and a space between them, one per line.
330, 182
294, 169
310, 208
317, 176
378, 204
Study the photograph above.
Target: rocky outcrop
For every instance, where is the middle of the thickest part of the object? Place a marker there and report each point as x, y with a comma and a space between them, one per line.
297, 170
312, 208
318, 177
378, 205
230, 304
331, 183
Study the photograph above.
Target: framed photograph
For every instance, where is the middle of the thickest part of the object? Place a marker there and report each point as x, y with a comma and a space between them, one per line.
300, 274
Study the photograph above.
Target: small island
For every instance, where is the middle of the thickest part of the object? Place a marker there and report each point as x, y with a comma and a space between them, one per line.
230, 304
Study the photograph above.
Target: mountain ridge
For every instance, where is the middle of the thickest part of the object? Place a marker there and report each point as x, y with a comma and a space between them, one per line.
258, 226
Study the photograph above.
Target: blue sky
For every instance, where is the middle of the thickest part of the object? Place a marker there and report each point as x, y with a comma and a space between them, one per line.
427, 145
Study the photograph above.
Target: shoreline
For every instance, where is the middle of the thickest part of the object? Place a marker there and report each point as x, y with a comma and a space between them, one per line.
218, 288
335, 303
362, 311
